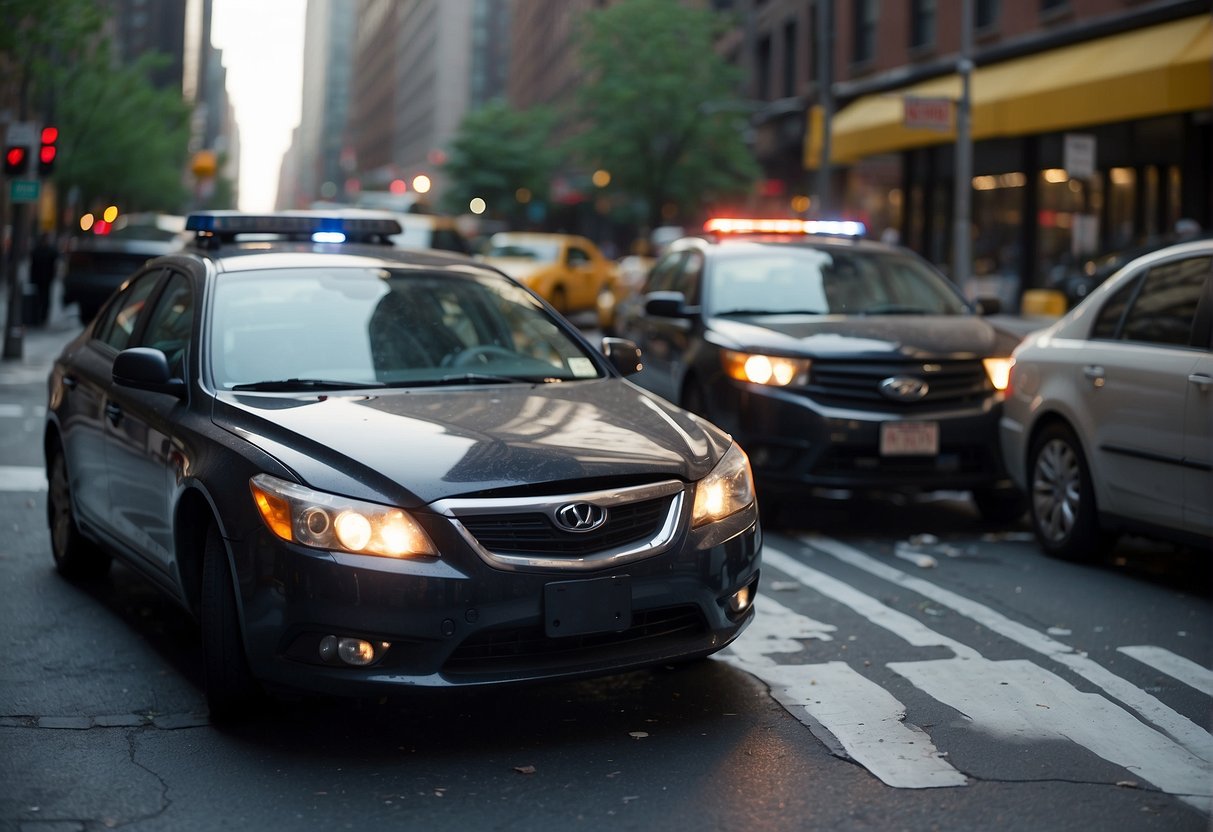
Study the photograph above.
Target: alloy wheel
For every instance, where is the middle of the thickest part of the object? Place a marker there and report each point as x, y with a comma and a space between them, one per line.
1056, 490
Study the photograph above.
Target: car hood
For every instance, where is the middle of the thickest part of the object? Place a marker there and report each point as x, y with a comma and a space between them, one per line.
936, 336
418, 446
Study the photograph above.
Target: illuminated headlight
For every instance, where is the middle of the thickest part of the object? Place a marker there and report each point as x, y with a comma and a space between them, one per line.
727, 490
999, 371
327, 521
765, 369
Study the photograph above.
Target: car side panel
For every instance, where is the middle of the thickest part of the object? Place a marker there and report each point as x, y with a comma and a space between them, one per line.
1198, 448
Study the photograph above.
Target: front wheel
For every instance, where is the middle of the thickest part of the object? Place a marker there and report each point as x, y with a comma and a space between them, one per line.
231, 690
1065, 518
75, 557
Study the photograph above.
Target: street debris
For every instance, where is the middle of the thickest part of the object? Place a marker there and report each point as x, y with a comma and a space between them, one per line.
1058, 631
638, 735
784, 586
524, 769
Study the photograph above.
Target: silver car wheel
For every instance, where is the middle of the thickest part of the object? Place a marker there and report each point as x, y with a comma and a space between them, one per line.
1056, 490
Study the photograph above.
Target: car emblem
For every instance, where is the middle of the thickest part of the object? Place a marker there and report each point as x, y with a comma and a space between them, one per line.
580, 517
904, 388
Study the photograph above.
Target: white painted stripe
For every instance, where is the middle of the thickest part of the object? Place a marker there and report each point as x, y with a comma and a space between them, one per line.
1190, 735
1185, 670
910, 629
22, 478
1019, 700
11, 411
776, 629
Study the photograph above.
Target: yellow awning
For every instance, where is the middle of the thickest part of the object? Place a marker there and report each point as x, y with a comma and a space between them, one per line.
1167, 68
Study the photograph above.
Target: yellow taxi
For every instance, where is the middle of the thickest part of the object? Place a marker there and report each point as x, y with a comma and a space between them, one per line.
566, 270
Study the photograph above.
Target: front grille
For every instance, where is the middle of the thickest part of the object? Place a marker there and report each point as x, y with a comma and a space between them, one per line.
520, 648
534, 533
857, 383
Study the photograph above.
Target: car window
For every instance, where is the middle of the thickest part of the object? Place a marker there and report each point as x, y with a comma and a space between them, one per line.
374, 326
1107, 324
661, 278
541, 251
577, 256
170, 323
687, 279
1165, 308
122, 315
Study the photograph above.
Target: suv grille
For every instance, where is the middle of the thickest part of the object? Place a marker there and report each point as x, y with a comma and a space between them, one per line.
857, 383
534, 533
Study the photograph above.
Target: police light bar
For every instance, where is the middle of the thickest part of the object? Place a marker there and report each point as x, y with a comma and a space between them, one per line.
213, 227
837, 228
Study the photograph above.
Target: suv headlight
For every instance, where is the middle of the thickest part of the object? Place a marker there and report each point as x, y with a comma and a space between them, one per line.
999, 371
775, 370
728, 489
328, 521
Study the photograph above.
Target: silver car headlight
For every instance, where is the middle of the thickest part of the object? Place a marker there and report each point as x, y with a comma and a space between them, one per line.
328, 521
728, 489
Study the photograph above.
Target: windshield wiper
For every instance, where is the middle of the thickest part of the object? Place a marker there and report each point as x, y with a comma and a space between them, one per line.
305, 384
894, 309
770, 312
468, 378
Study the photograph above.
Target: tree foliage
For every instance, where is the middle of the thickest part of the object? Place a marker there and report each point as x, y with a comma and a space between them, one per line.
496, 151
122, 140
660, 109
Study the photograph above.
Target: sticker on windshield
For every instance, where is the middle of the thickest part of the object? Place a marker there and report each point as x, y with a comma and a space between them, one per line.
582, 368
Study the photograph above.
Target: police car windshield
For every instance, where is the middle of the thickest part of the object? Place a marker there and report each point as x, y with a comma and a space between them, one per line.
338, 328
797, 280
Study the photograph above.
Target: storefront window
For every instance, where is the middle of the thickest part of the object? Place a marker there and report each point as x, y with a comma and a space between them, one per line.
1067, 222
874, 196
1122, 191
997, 219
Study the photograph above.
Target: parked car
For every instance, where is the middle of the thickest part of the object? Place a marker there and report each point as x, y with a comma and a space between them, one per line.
1108, 424
366, 469
836, 362
566, 270
99, 264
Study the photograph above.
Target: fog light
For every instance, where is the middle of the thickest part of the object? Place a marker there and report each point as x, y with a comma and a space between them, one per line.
354, 651
739, 600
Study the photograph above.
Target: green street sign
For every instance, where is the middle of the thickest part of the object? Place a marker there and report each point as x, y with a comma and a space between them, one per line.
24, 190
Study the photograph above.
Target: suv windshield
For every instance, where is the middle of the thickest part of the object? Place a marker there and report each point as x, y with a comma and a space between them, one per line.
805, 280
330, 328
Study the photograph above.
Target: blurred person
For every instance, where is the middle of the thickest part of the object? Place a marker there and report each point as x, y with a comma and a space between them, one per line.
42, 261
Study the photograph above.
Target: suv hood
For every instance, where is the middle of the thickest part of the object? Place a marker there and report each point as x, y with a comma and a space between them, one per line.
937, 336
417, 446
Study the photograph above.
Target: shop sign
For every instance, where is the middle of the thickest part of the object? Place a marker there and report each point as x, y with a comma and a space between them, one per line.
1079, 155
927, 113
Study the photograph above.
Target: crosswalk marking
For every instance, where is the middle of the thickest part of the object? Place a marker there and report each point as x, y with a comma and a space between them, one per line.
22, 478
1190, 735
1177, 667
11, 411
1020, 700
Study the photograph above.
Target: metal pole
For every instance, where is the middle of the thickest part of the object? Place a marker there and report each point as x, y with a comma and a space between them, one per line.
961, 242
825, 99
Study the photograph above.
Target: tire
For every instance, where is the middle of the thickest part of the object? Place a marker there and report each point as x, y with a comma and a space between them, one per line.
76, 558
231, 691
1065, 518
1000, 505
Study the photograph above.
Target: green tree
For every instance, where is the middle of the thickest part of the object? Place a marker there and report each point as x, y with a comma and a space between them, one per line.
498, 151
660, 110
121, 139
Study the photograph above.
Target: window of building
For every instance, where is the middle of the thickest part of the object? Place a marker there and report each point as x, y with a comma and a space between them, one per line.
789, 58
922, 23
985, 14
762, 58
864, 28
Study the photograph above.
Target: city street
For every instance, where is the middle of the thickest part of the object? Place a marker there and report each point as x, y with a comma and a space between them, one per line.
909, 668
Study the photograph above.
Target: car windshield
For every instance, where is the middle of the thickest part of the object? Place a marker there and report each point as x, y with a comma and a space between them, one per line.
334, 328
541, 251
805, 280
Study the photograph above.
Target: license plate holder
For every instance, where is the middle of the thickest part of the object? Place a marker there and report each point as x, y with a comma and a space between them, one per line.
594, 605
909, 438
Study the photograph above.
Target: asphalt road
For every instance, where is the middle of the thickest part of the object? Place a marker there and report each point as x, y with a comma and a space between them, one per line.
910, 668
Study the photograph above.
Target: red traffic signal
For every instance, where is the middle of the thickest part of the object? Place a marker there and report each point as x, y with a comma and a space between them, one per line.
47, 151
16, 159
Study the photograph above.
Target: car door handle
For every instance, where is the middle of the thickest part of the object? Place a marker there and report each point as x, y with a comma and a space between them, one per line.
113, 412
1202, 381
1095, 373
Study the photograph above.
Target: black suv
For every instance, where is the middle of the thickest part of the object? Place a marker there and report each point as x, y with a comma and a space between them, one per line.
836, 362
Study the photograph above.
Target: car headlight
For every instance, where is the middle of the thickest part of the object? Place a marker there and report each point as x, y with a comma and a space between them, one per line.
999, 371
775, 370
728, 489
328, 521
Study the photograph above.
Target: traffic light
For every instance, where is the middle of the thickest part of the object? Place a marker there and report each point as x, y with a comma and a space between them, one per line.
47, 151
16, 159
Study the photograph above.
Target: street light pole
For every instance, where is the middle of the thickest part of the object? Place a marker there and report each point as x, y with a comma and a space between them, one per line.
825, 99
961, 242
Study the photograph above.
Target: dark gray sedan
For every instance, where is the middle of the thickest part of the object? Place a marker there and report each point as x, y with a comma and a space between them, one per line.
364, 468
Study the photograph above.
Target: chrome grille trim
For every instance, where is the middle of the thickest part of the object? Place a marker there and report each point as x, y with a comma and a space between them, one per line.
657, 543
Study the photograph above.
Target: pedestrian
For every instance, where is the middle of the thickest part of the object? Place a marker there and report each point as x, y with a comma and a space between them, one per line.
42, 272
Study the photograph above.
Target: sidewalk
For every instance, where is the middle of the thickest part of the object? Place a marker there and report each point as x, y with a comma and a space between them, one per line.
39, 344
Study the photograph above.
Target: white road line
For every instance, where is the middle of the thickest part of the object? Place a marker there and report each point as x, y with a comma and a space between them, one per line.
11, 411
860, 716
1021, 701
1190, 735
910, 629
22, 478
1185, 670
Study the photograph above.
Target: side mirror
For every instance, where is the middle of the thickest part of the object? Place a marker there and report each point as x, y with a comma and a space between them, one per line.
145, 368
667, 305
623, 354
